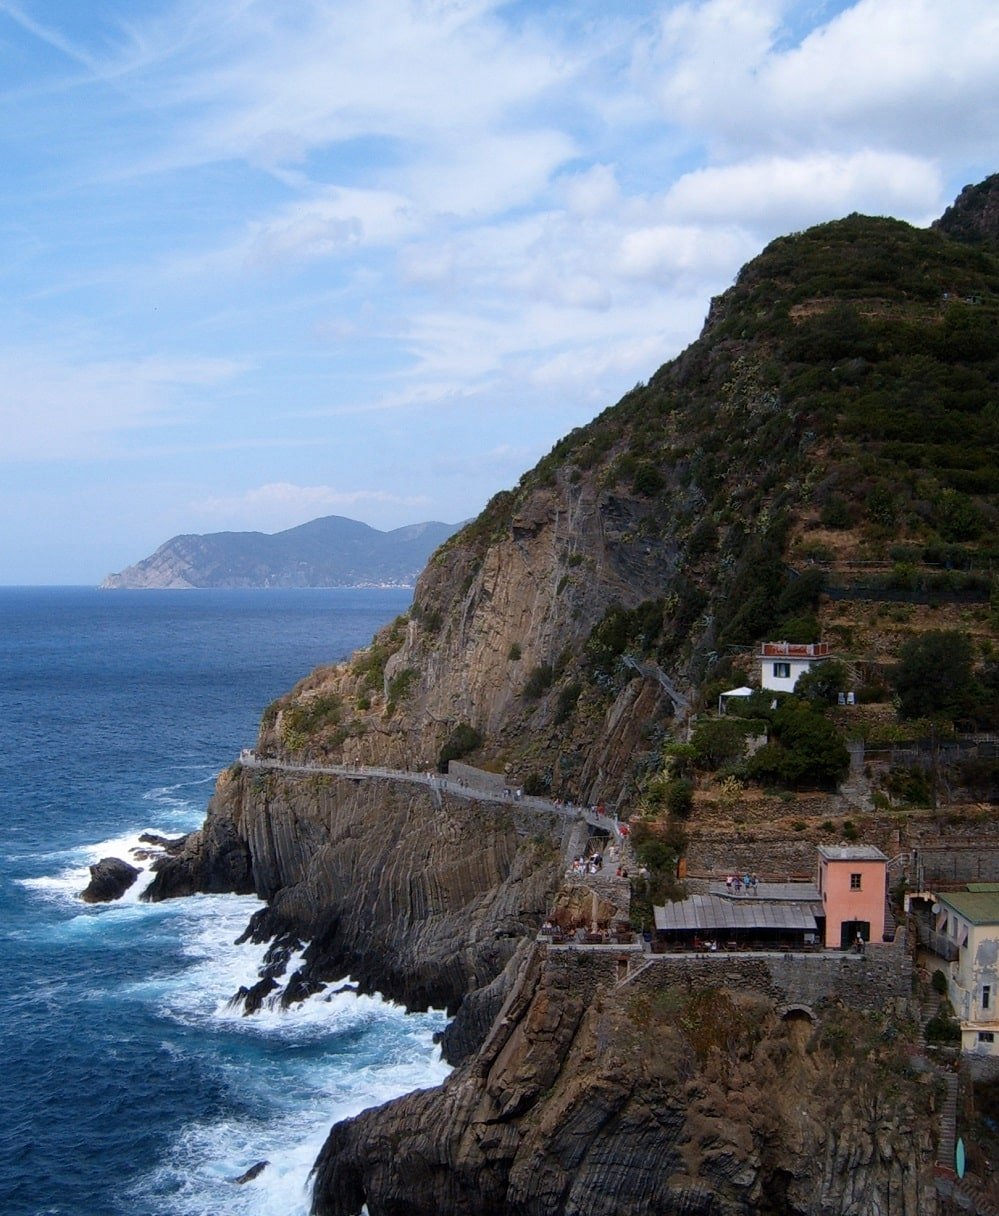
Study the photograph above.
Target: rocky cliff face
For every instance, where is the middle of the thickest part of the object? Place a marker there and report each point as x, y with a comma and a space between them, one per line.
560, 634
421, 896
591, 1099
552, 641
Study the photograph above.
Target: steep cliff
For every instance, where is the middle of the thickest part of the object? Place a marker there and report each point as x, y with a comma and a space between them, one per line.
554, 641
421, 895
839, 406
591, 1098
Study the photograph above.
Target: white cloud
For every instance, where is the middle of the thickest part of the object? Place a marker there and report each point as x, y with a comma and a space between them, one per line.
427, 219
591, 192
914, 75
668, 253
280, 505
778, 193
54, 407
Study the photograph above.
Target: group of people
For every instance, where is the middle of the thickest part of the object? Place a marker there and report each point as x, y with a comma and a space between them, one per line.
746, 884
592, 864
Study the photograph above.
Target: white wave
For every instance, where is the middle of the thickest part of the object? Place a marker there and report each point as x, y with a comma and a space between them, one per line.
197, 1169
73, 872
299, 1070
182, 803
296, 1070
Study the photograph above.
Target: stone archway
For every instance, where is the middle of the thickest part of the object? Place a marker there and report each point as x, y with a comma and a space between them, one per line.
799, 1021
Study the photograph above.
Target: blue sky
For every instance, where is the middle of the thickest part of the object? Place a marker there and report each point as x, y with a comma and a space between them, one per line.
265, 260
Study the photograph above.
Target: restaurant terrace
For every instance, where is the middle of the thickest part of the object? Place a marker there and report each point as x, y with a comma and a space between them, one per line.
771, 916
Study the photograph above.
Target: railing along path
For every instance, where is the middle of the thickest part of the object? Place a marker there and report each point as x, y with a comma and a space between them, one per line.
441, 784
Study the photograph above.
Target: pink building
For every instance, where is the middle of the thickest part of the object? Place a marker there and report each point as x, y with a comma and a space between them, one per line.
852, 883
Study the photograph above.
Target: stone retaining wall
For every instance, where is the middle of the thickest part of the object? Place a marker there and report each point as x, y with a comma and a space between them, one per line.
871, 981
775, 859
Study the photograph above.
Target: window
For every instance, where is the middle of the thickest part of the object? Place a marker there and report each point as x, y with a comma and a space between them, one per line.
782, 671
986, 996
854, 882
986, 1036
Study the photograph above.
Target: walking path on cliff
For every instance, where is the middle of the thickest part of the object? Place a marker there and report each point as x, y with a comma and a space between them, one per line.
441, 784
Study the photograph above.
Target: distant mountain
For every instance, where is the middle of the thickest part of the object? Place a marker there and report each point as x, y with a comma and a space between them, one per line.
328, 552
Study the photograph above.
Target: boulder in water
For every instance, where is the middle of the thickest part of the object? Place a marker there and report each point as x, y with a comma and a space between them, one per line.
110, 878
251, 1173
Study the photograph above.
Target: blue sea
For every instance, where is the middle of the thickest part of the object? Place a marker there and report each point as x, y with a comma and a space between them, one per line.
127, 1084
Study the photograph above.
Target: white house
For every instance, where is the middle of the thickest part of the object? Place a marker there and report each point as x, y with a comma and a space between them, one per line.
968, 922
781, 663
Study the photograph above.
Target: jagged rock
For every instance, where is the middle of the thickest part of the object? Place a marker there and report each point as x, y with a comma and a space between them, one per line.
110, 878
425, 902
585, 1099
253, 1172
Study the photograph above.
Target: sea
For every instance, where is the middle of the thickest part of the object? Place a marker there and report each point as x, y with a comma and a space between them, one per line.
128, 1085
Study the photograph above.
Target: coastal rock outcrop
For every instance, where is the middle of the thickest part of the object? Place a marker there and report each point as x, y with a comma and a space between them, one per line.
110, 878
591, 1098
422, 895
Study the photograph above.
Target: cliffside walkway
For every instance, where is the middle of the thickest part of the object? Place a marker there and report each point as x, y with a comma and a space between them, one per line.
441, 785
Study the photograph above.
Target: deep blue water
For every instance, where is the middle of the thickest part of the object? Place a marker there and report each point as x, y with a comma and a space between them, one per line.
126, 1084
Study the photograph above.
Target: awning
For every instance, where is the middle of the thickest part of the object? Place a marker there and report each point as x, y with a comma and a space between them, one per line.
709, 913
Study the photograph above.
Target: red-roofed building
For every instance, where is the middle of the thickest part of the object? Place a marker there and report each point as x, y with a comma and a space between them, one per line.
781, 663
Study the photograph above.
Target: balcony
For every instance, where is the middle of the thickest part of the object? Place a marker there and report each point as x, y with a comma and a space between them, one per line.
938, 943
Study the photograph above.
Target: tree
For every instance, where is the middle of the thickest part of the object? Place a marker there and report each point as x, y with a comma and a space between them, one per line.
718, 741
680, 797
933, 675
823, 683
806, 749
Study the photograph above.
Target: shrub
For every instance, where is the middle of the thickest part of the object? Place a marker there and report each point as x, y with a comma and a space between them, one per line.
933, 674
514, 653
680, 797
567, 699
943, 1028
823, 683
536, 785
462, 740
539, 681
648, 480
805, 748
401, 685
305, 718
718, 741
835, 513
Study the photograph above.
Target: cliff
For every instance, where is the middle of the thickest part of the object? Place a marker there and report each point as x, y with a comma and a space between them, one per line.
557, 641
591, 1097
422, 896
835, 417
328, 552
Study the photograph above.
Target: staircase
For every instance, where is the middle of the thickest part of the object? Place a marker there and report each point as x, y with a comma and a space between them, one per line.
947, 1142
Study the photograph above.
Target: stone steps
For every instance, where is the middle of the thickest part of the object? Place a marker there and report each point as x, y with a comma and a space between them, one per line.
948, 1122
967, 1190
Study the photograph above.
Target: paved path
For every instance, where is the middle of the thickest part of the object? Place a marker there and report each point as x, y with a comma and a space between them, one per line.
440, 785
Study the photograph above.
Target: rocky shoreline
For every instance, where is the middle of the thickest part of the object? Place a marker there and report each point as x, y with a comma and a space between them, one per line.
579, 1087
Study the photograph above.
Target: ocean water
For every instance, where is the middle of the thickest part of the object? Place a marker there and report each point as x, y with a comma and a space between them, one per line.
127, 1085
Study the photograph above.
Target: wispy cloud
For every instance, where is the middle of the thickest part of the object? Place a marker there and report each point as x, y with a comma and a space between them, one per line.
283, 505
342, 238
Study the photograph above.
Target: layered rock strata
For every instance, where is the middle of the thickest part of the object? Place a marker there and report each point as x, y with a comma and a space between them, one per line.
591, 1098
419, 895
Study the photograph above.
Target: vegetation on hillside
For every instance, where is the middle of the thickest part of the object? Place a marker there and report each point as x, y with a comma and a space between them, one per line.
831, 437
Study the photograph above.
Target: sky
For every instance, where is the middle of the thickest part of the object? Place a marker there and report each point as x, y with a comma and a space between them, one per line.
268, 260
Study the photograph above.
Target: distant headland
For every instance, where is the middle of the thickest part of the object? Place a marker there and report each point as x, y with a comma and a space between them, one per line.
330, 552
